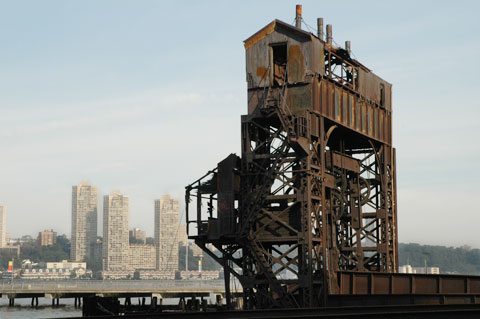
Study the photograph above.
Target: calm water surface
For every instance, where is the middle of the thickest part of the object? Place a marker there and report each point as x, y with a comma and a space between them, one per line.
23, 310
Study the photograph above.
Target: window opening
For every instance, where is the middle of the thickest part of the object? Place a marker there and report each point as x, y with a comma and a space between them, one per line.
279, 64
382, 94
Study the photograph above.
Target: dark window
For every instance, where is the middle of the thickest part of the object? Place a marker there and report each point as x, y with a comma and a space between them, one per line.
382, 94
279, 64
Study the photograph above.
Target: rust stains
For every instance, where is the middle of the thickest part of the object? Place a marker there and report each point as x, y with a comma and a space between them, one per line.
296, 67
262, 72
260, 34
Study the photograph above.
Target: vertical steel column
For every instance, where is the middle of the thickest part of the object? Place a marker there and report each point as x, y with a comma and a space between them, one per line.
320, 29
298, 16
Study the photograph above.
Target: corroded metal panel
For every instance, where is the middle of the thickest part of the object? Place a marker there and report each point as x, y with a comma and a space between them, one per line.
317, 57
299, 98
388, 97
296, 64
374, 283
358, 122
337, 101
350, 110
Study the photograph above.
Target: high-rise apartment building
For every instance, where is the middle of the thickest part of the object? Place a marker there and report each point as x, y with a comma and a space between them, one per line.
3, 226
182, 235
142, 256
166, 234
116, 210
84, 221
138, 236
97, 251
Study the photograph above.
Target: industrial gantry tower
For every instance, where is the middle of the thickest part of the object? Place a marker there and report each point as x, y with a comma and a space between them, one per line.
314, 190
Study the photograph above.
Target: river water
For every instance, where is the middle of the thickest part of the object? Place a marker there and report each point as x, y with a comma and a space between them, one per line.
23, 309
66, 309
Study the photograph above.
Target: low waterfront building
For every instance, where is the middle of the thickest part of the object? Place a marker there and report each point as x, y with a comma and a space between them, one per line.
55, 270
64, 264
408, 269
116, 274
145, 274
43, 273
204, 274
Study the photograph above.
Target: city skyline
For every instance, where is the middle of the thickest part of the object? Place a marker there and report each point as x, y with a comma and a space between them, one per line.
146, 226
85, 99
76, 189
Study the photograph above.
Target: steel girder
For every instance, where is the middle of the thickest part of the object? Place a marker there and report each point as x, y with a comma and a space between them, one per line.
311, 203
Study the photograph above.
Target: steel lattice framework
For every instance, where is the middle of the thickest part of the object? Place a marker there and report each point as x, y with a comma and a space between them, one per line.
313, 192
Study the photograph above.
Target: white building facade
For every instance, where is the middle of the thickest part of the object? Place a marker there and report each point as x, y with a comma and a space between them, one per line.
115, 250
408, 269
142, 256
84, 221
166, 235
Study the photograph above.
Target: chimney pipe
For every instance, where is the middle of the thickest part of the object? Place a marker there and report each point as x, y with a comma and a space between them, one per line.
320, 28
347, 47
298, 16
329, 34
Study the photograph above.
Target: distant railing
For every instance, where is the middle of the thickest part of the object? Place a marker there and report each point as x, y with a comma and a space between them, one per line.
19, 286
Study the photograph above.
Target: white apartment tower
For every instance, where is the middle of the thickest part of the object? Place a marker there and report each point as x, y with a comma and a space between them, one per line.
115, 250
84, 221
3, 226
166, 234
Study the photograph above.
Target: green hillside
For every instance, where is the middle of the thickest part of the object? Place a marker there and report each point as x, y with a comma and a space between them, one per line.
461, 260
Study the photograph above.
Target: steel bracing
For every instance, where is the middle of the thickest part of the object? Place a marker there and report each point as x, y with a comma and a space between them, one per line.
313, 192
310, 204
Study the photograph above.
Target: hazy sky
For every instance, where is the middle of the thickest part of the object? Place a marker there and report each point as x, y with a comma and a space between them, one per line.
146, 96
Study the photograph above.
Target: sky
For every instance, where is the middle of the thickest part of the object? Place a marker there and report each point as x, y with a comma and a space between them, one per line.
146, 96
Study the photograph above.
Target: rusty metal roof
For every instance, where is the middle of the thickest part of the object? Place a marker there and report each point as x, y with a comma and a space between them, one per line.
276, 24
270, 28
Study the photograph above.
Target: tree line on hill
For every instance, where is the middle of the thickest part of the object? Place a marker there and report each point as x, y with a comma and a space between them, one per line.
459, 260
31, 250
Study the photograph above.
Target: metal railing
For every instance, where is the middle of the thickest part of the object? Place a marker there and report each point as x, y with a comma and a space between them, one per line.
21, 286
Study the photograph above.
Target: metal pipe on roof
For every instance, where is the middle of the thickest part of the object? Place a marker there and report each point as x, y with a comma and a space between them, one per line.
320, 28
347, 47
298, 16
329, 34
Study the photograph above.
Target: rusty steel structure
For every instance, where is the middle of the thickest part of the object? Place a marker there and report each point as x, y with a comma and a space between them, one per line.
313, 193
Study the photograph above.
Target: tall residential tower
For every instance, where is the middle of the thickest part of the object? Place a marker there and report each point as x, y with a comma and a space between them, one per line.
166, 234
84, 221
116, 210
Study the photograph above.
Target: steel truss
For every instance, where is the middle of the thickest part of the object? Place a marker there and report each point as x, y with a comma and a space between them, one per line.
315, 198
